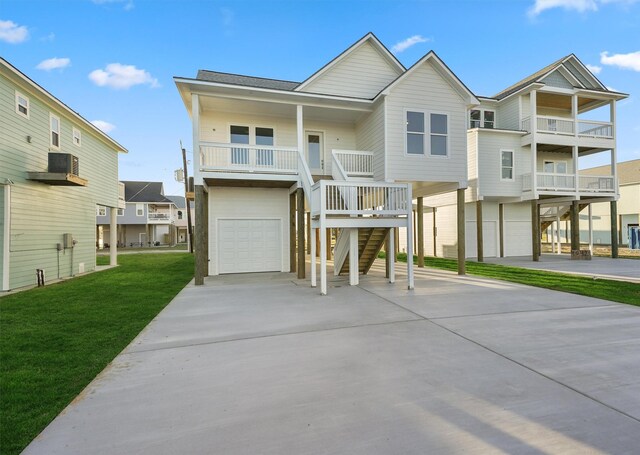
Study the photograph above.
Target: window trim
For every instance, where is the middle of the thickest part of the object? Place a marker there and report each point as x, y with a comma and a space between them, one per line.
482, 111
28, 107
73, 137
101, 210
120, 212
139, 208
427, 133
446, 136
51, 131
513, 165
406, 132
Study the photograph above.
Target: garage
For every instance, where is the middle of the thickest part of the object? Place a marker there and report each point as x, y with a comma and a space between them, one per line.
249, 245
517, 238
490, 239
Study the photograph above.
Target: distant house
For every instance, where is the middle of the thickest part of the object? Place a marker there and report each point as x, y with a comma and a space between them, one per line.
148, 218
55, 168
181, 221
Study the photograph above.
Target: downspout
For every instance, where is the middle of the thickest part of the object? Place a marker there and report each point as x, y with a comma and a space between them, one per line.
6, 234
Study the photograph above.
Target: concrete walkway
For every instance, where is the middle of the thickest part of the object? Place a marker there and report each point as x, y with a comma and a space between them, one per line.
612, 269
262, 364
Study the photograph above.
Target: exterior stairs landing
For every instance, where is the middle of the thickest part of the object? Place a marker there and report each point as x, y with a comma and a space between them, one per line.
370, 242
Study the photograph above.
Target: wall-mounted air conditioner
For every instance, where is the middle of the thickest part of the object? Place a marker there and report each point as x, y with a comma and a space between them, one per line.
65, 163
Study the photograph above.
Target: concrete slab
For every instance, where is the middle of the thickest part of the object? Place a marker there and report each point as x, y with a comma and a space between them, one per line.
263, 364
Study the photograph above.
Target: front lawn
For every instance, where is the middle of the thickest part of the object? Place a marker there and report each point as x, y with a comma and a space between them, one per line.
55, 340
616, 291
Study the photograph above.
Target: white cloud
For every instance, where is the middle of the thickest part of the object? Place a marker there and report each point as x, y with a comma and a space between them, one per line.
104, 126
595, 69
576, 5
49, 38
630, 61
407, 43
118, 76
128, 4
13, 33
53, 63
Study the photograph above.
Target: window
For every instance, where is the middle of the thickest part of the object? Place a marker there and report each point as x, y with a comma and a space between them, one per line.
179, 214
120, 212
77, 137
481, 118
54, 123
101, 210
439, 131
22, 105
506, 164
555, 167
239, 135
415, 133
264, 136
139, 209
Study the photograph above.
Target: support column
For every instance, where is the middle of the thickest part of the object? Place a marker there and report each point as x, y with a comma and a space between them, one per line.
396, 244
323, 259
410, 279
113, 236
392, 261
535, 230
479, 232
614, 229
308, 226
329, 243
461, 233
353, 257
312, 242
553, 237
301, 256
420, 232
558, 238
201, 222
435, 234
590, 229
387, 255
501, 228
292, 233
575, 226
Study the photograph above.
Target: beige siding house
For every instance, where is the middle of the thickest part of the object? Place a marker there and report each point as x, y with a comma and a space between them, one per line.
55, 168
328, 166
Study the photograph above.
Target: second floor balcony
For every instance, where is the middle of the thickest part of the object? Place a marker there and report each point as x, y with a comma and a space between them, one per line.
569, 184
563, 126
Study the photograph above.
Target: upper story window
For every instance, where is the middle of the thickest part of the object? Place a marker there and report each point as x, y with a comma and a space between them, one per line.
506, 164
415, 133
101, 210
240, 134
439, 132
264, 136
120, 212
437, 126
22, 105
77, 137
179, 214
54, 124
482, 118
139, 209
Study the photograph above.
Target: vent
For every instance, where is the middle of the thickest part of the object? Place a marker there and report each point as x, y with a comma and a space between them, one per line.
65, 163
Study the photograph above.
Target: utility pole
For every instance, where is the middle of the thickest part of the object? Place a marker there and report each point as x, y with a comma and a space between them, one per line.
186, 199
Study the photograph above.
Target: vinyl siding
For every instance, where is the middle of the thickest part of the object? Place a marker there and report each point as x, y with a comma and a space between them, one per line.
556, 79
2, 221
490, 170
551, 156
370, 136
247, 203
472, 168
508, 114
526, 106
41, 213
426, 90
363, 74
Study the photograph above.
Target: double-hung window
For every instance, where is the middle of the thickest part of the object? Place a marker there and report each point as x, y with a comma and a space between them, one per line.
239, 135
427, 132
54, 123
77, 137
506, 164
22, 105
481, 118
120, 212
139, 209
101, 210
415, 133
264, 136
439, 131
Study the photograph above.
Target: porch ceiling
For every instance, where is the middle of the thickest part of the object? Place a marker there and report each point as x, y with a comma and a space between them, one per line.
559, 101
553, 148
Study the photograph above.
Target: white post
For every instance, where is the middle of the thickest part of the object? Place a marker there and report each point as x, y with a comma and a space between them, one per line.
574, 111
392, 264
195, 121
353, 257
113, 236
313, 257
553, 237
574, 154
6, 236
300, 129
559, 250
323, 259
410, 281
590, 230
534, 146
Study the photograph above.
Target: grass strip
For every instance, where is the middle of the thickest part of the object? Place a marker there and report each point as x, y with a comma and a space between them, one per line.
54, 340
615, 291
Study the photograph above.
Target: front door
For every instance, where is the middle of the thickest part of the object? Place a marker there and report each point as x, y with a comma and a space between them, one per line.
314, 144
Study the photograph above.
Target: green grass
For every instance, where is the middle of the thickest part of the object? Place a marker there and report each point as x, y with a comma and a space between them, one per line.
615, 291
55, 340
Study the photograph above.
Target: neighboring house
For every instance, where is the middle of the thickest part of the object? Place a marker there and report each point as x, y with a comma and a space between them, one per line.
181, 220
148, 218
55, 168
352, 145
524, 146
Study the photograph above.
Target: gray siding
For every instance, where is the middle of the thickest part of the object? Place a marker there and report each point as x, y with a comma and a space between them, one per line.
426, 90
574, 71
363, 73
370, 136
508, 115
556, 79
41, 213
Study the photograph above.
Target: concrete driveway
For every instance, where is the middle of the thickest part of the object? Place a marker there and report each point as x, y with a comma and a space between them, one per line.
262, 364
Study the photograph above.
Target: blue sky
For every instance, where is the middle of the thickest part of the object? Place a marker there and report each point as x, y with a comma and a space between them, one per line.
113, 60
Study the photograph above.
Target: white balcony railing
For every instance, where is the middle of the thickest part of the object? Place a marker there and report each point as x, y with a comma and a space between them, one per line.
355, 163
158, 216
567, 183
564, 126
596, 184
360, 198
248, 158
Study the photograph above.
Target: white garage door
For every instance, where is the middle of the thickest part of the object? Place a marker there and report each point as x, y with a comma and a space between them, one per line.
249, 246
489, 239
517, 238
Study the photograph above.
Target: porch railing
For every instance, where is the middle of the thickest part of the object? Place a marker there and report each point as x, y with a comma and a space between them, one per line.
564, 126
248, 158
596, 184
555, 125
567, 183
590, 128
360, 198
355, 163
158, 216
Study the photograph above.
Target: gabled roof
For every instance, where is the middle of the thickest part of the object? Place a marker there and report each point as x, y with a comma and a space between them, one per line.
144, 192
541, 74
369, 37
628, 171
246, 81
444, 71
179, 201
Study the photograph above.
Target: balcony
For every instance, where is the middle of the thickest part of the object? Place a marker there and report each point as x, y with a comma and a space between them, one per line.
565, 184
563, 126
158, 217
353, 163
244, 158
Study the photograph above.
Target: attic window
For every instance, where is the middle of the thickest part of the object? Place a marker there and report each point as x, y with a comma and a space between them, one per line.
22, 105
77, 137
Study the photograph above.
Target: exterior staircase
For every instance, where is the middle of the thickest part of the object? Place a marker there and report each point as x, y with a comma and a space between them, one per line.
370, 242
564, 212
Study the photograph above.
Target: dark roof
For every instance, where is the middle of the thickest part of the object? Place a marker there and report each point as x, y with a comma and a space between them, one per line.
529, 79
247, 81
178, 201
144, 192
